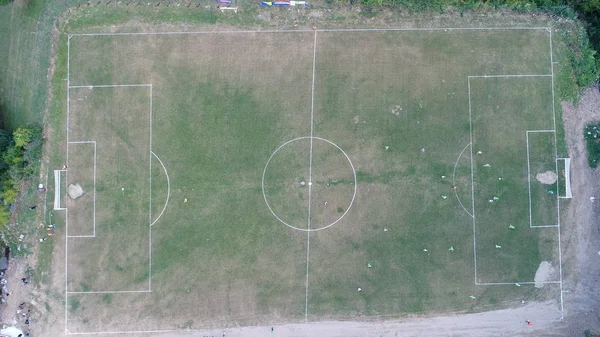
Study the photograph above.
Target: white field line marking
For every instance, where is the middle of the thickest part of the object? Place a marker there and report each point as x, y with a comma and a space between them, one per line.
94, 221
312, 112
513, 283
562, 307
108, 86
534, 131
265, 194
168, 188
454, 179
472, 182
81, 236
109, 292
150, 223
528, 177
67, 179
94, 177
447, 29
287, 31
508, 76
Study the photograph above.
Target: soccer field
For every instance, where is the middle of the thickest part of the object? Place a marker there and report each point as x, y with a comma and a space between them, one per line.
245, 177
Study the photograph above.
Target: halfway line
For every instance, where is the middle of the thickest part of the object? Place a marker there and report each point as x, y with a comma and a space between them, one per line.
312, 112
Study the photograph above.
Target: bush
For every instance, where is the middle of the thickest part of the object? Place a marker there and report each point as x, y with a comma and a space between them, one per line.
591, 133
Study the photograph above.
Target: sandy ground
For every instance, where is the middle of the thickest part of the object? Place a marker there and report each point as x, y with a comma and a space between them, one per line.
499, 323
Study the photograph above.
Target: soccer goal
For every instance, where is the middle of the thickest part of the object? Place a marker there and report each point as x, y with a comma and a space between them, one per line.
564, 165
57, 190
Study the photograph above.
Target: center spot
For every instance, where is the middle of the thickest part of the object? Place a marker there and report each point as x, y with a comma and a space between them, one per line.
332, 183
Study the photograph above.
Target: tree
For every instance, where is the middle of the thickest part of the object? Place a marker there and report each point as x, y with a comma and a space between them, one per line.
22, 136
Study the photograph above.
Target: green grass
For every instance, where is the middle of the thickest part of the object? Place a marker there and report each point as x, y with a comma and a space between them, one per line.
222, 104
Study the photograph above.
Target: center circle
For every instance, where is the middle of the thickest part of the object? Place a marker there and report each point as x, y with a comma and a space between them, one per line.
309, 183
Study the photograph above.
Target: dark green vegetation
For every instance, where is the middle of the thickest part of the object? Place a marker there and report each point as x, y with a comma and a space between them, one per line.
591, 133
222, 103
20, 156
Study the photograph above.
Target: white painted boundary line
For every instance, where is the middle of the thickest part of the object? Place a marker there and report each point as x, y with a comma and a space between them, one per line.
562, 306
108, 86
108, 292
447, 29
472, 183
515, 75
312, 113
513, 283
529, 178
66, 179
303, 31
150, 223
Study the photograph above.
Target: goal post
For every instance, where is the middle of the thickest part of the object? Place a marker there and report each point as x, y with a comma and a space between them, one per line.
564, 167
57, 190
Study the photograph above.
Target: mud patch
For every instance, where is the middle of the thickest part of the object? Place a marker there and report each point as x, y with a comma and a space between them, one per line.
543, 274
75, 191
546, 178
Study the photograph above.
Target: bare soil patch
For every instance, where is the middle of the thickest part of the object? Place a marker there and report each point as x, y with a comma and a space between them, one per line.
75, 191
544, 273
546, 178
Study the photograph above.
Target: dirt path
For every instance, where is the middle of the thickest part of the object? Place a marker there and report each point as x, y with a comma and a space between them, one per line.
580, 223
